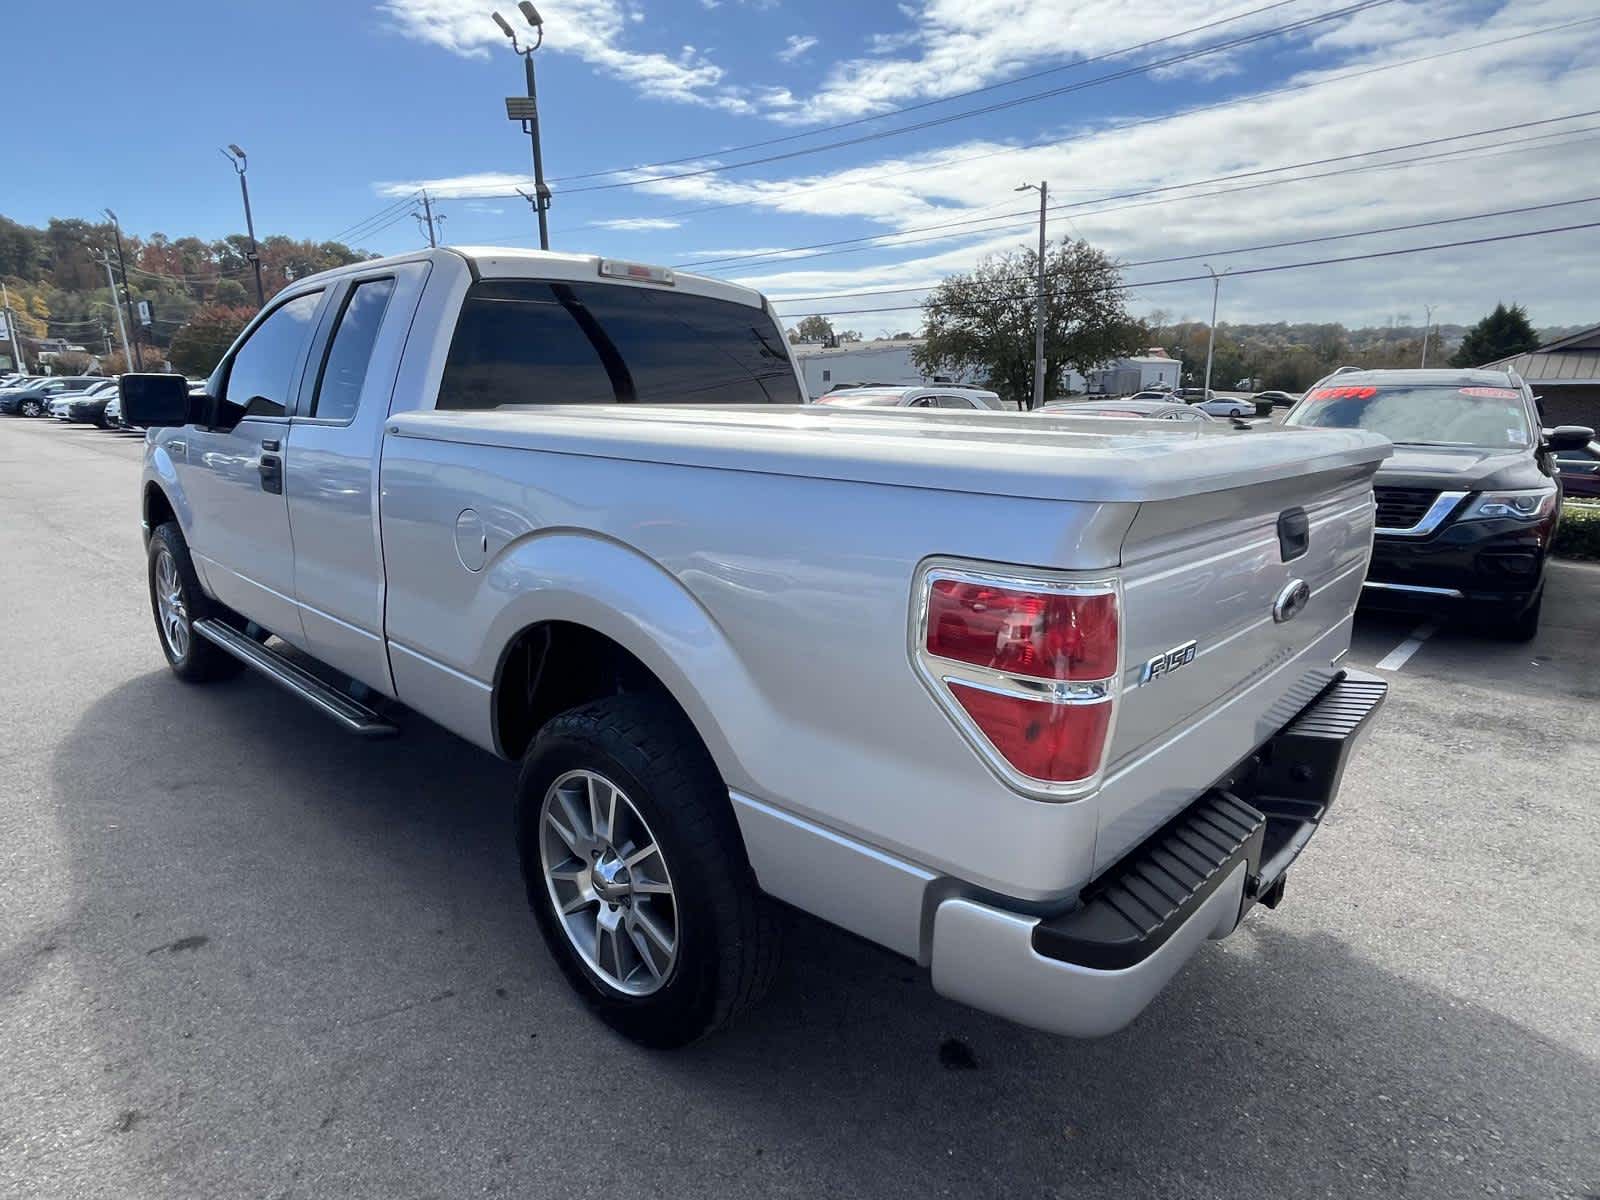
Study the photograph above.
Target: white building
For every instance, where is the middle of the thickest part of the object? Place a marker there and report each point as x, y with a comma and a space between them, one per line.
1124, 376
883, 361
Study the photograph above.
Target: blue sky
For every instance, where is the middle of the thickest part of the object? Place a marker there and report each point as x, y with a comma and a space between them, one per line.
348, 106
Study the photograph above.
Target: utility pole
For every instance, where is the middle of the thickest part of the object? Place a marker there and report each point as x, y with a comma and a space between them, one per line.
236, 156
526, 111
122, 330
13, 331
1427, 330
127, 295
1040, 305
1211, 333
426, 217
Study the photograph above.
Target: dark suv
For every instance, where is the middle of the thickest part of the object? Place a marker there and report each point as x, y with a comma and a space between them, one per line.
1469, 502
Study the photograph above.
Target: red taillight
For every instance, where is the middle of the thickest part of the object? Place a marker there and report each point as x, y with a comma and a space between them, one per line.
1057, 743
1043, 635
1028, 668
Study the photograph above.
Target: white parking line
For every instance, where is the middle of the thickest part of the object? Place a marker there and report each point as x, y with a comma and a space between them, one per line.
1401, 654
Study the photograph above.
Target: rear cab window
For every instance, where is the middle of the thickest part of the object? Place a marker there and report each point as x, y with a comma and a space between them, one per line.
344, 367
558, 342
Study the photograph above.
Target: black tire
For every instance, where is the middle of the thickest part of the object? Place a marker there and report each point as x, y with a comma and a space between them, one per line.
192, 658
728, 933
32, 408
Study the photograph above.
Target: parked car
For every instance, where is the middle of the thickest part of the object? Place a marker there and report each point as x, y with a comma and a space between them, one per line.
61, 404
1469, 503
1226, 406
1041, 713
33, 400
926, 396
1157, 410
1579, 469
1193, 395
1277, 399
1152, 394
90, 408
114, 412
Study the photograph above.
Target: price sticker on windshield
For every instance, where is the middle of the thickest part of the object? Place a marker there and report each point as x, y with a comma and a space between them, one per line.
1343, 393
1492, 393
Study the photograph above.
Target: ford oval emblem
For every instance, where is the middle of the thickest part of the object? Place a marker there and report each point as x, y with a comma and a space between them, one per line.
1295, 596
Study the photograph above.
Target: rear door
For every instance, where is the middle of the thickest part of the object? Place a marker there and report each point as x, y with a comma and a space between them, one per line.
239, 534
331, 472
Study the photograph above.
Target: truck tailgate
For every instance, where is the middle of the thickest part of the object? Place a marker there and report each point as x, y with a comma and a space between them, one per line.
1202, 578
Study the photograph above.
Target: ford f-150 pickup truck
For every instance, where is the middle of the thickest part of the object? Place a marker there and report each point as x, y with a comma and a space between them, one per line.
1040, 703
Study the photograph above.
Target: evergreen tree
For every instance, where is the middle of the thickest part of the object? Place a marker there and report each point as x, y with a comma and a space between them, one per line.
1503, 333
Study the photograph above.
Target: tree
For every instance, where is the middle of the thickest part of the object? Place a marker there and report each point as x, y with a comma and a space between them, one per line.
983, 322
200, 345
815, 329
1503, 333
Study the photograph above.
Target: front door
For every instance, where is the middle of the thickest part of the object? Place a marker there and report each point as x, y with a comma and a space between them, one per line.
234, 478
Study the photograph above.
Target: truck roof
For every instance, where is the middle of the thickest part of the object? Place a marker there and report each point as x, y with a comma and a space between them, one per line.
1417, 377
515, 262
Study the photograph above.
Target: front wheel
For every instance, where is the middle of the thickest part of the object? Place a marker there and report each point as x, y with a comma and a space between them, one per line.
178, 602
32, 408
636, 872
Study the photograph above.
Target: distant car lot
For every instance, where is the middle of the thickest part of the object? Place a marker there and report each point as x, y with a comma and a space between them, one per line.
297, 964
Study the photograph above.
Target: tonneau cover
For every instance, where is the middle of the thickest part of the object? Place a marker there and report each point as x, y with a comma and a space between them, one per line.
998, 454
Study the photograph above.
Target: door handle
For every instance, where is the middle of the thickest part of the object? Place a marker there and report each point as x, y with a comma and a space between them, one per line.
271, 468
269, 444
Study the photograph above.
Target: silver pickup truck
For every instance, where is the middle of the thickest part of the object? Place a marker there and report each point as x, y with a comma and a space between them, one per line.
1040, 703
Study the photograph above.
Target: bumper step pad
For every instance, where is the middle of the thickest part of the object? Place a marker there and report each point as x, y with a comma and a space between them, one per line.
1262, 819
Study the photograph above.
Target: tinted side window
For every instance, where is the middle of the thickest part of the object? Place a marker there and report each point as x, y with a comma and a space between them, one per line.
527, 342
345, 368
956, 402
263, 370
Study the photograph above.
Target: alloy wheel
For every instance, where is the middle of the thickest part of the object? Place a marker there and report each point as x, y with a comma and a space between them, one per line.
171, 607
608, 882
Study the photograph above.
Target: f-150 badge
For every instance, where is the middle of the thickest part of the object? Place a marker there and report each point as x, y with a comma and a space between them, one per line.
1166, 664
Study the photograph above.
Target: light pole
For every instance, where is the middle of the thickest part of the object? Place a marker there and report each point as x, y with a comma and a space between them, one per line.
1039, 312
525, 109
127, 295
1427, 329
235, 156
1211, 332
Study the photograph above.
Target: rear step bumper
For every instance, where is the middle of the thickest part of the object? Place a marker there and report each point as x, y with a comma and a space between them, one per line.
1091, 970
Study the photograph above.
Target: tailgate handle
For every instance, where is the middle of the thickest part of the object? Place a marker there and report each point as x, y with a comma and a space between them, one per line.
1294, 533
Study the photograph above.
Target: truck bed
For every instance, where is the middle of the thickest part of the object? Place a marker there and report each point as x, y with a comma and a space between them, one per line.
992, 454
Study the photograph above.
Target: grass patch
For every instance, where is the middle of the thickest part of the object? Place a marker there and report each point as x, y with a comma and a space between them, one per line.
1579, 535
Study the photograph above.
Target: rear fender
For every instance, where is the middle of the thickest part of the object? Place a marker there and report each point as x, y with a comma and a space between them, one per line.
589, 580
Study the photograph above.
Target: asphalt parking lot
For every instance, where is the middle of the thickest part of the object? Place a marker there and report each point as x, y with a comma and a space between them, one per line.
242, 954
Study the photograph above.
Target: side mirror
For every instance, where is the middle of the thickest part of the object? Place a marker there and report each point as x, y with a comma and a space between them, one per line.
1568, 437
159, 401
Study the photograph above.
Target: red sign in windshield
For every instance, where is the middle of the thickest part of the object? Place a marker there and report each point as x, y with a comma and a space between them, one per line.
1343, 393
1492, 393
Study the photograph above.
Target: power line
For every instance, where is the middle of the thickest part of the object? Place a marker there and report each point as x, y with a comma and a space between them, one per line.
954, 96
1151, 262
351, 230
1240, 271
1121, 127
1172, 187
1127, 72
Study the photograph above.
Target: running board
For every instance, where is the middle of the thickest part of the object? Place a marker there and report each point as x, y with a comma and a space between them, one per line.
354, 716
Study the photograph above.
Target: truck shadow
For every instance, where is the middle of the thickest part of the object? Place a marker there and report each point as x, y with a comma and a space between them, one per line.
320, 947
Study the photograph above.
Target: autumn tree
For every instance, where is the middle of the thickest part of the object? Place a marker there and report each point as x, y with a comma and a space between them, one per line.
200, 345
814, 329
983, 322
1503, 333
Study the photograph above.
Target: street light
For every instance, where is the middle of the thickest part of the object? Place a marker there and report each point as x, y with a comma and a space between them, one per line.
1211, 333
525, 109
235, 156
1043, 188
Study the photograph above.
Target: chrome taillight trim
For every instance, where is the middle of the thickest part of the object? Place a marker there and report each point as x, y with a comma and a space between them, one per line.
937, 672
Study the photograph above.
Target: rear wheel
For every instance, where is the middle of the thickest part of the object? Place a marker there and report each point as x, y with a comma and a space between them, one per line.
636, 873
33, 408
178, 602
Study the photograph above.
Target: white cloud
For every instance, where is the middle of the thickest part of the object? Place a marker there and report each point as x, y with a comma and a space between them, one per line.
796, 45
636, 224
592, 30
